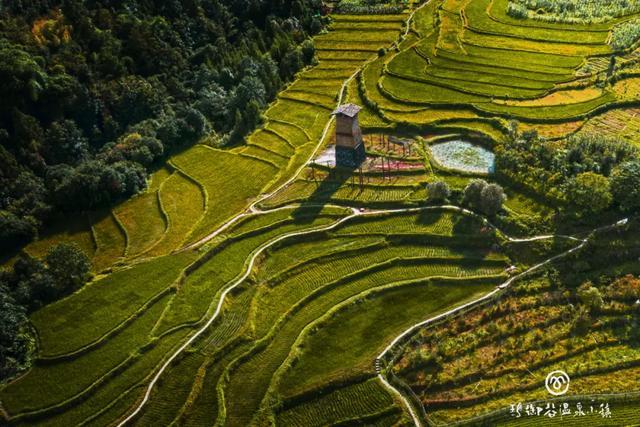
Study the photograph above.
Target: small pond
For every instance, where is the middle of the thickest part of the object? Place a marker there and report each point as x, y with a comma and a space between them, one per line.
463, 156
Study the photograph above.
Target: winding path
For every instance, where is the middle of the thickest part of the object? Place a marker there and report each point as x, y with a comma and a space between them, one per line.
252, 209
500, 288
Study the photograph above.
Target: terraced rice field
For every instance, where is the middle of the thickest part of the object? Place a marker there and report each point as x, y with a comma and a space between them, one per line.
298, 282
116, 331
280, 315
475, 366
470, 60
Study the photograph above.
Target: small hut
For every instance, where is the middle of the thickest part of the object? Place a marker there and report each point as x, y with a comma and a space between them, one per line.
350, 151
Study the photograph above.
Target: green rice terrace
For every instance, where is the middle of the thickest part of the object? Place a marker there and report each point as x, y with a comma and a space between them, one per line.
485, 235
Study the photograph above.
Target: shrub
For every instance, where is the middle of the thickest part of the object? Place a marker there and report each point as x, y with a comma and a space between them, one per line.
590, 296
581, 323
438, 191
626, 288
575, 11
625, 34
492, 198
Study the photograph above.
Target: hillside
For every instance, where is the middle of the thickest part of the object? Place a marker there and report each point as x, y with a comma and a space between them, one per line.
98, 94
420, 227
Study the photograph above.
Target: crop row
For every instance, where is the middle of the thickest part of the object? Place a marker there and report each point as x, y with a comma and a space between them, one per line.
200, 289
84, 317
490, 357
281, 301
345, 341
357, 399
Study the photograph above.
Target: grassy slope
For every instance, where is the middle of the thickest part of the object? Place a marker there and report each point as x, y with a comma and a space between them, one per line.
172, 211
473, 57
501, 355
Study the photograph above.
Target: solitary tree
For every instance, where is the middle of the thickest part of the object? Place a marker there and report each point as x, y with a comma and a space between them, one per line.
69, 266
491, 199
438, 191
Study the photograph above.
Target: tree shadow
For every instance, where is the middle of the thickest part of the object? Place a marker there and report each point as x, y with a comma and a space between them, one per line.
429, 217
472, 237
310, 209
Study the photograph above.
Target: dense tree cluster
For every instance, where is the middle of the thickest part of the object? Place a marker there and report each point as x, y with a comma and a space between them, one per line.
16, 342
93, 93
371, 6
28, 285
588, 173
577, 11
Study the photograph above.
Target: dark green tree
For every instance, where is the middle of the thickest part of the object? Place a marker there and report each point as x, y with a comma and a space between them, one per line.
625, 185
69, 267
472, 195
589, 192
438, 191
16, 342
492, 198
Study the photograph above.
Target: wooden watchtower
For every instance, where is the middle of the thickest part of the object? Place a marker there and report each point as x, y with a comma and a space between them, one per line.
350, 151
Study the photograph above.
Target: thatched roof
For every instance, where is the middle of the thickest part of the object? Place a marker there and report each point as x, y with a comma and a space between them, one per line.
349, 110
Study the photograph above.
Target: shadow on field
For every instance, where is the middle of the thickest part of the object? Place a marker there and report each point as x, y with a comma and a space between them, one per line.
427, 217
325, 189
464, 238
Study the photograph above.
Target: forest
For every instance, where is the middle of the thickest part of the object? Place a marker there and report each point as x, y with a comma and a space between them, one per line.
100, 92
587, 173
571, 10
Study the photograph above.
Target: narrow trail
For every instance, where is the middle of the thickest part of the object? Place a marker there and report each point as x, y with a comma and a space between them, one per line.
356, 212
252, 209
499, 289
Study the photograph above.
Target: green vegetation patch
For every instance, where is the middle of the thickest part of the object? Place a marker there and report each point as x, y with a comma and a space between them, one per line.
345, 343
573, 11
111, 240
578, 317
97, 308
340, 405
143, 220
219, 171
183, 202
199, 290
50, 384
